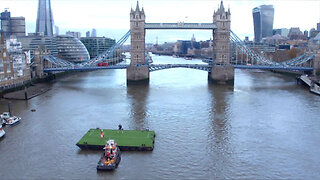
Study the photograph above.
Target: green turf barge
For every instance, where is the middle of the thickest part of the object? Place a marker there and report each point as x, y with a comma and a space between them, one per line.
128, 140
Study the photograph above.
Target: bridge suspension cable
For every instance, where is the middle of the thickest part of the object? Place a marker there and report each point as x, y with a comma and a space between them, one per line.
57, 61
258, 58
110, 52
101, 57
249, 52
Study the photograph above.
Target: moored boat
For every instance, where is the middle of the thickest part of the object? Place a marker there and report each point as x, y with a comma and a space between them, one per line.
315, 88
111, 157
2, 132
4, 115
9, 120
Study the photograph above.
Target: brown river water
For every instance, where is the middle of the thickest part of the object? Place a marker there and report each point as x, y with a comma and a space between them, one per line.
264, 127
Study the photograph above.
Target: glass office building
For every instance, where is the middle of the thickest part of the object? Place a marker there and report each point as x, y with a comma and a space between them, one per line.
35, 40
65, 47
97, 45
257, 24
71, 49
263, 17
45, 22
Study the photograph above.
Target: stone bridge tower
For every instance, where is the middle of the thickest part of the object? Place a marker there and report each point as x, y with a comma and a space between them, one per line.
221, 72
135, 72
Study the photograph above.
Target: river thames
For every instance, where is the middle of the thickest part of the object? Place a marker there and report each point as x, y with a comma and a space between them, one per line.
264, 127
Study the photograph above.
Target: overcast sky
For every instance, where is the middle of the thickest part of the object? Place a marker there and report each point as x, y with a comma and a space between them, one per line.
111, 17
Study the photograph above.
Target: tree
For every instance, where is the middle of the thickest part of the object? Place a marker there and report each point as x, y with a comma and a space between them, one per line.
292, 53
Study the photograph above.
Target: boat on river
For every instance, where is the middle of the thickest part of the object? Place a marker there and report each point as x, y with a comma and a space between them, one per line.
111, 157
2, 132
9, 120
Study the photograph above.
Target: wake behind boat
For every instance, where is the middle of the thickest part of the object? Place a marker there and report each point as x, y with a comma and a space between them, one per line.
111, 157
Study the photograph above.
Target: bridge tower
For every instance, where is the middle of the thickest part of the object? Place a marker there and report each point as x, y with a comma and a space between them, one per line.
221, 72
316, 63
135, 72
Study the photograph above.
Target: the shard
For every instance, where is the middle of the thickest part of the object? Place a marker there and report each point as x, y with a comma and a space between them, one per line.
44, 19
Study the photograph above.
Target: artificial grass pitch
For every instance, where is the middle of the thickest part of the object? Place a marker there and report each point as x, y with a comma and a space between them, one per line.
126, 139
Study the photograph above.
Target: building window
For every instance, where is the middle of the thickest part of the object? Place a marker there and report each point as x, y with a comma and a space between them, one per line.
137, 24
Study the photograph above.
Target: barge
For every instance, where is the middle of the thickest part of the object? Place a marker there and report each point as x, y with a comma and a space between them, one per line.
127, 140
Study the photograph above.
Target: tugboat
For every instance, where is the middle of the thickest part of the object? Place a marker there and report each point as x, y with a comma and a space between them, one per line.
9, 120
111, 157
2, 132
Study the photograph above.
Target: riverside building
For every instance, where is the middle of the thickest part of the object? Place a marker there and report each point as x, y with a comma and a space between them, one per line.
71, 49
97, 45
14, 64
12, 25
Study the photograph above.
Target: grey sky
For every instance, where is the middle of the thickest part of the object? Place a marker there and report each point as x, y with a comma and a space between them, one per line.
111, 17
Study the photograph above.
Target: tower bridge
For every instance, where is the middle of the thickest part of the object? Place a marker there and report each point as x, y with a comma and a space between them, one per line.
221, 39
220, 69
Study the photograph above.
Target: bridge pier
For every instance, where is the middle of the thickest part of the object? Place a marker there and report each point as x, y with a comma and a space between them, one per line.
221, 75
137, 75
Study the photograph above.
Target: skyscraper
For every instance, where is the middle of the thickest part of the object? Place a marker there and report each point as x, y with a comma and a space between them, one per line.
94, 33
263, 21
12, 25
256, 24
44, 19
57, 30
88, 34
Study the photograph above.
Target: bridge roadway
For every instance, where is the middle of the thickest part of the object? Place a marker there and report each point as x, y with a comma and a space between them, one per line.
156, 67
